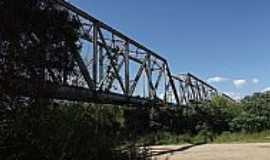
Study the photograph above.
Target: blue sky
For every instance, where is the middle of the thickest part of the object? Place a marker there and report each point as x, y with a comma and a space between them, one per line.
223, 41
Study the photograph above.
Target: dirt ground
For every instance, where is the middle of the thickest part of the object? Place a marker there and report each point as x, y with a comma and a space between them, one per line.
248, 151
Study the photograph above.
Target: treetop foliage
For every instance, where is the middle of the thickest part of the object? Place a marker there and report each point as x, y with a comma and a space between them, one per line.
36, 37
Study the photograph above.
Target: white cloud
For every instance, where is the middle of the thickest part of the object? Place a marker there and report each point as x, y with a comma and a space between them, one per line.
234, 95
216, 79
255, 80
239, 82
266, 89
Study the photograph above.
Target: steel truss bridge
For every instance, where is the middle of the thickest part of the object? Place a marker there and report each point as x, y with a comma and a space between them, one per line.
115, 69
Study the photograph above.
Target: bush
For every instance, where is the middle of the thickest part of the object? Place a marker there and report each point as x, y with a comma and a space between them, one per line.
214, 116
255, 115
45, 131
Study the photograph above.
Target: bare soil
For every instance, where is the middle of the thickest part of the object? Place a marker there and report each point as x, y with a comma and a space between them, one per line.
246, 151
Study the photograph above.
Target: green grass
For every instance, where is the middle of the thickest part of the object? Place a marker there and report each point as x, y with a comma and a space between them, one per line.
166, 138
227, 137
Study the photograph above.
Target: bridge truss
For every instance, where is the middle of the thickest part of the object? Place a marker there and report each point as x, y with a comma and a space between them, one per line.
116, 69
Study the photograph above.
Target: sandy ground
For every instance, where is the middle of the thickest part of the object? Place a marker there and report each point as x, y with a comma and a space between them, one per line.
248, 151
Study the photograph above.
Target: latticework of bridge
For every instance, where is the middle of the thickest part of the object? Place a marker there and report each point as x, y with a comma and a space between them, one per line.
116, 69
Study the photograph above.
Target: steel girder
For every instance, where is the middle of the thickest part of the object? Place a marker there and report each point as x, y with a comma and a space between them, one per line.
120, 70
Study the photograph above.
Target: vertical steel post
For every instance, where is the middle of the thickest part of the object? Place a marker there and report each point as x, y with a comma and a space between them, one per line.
126, 56
101, 64
199, 91
149, 76
165, 82
95, 53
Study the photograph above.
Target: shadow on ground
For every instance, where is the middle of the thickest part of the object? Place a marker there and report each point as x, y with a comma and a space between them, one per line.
162, 151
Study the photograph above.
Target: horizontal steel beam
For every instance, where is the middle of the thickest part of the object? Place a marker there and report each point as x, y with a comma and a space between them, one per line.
72, 93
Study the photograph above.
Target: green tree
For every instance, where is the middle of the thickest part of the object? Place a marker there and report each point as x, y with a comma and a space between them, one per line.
36, 38
255, 115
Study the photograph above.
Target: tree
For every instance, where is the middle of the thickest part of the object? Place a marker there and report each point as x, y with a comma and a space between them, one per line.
37, 42
255, 115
